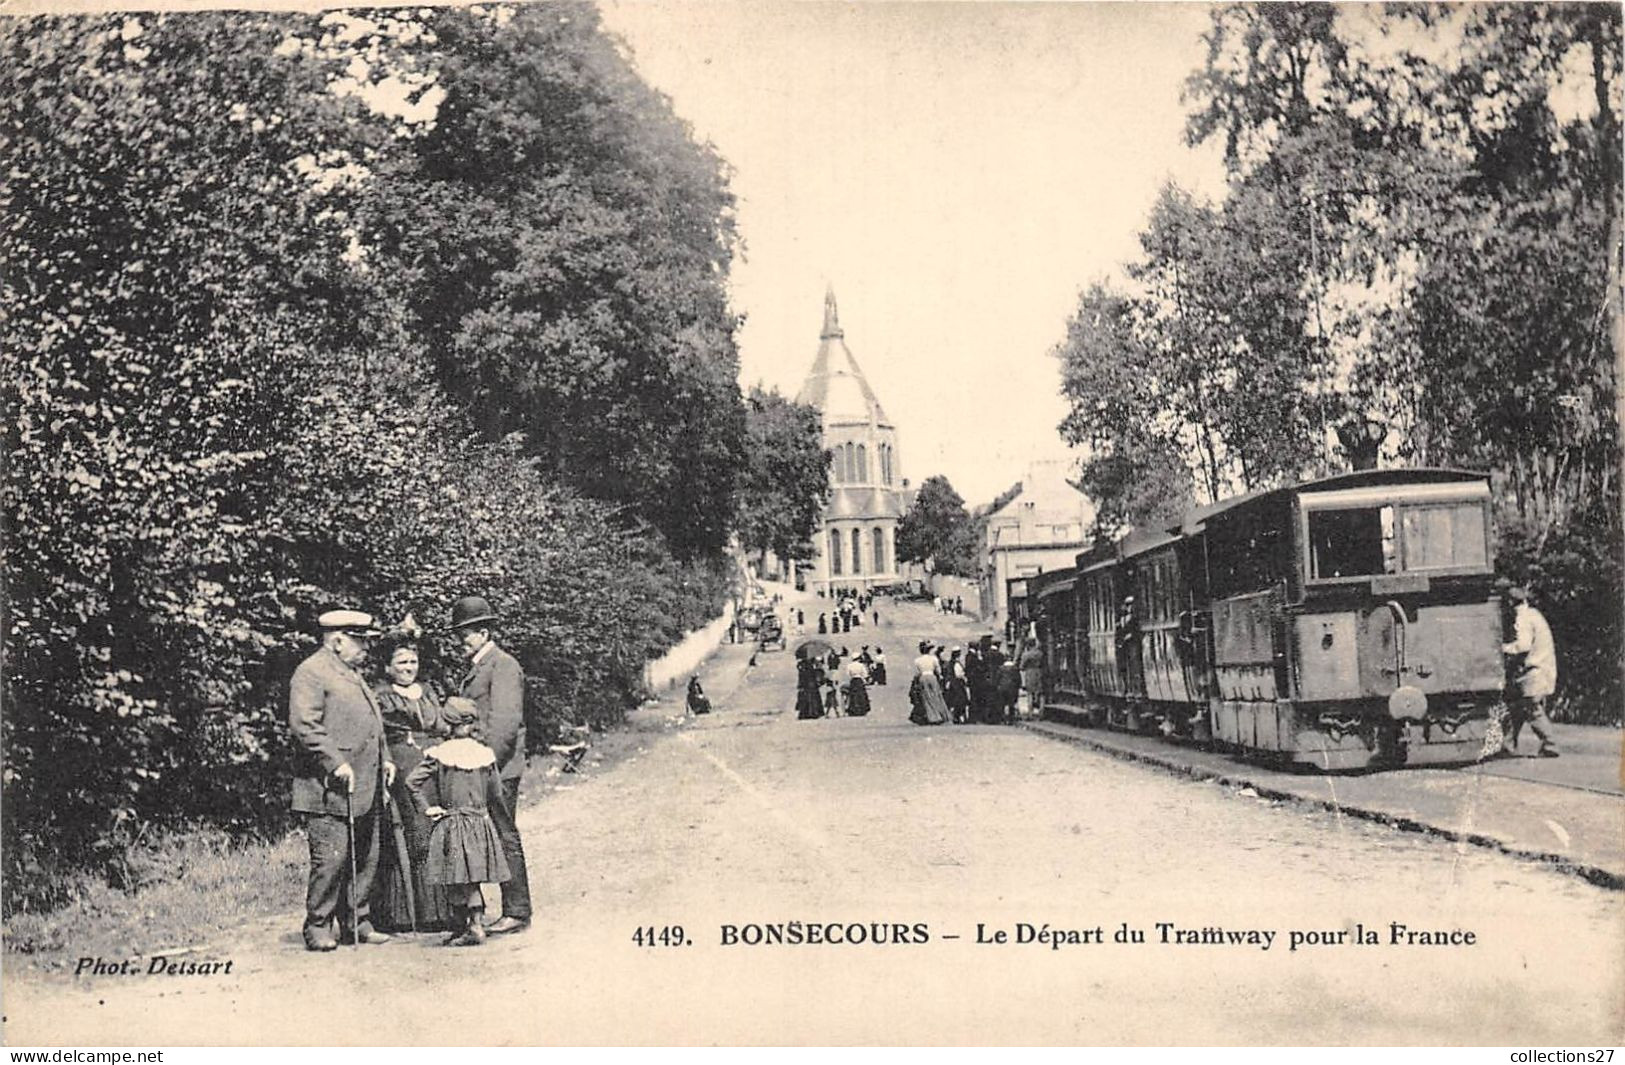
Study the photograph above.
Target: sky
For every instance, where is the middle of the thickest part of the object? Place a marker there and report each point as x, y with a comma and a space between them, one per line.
957, 172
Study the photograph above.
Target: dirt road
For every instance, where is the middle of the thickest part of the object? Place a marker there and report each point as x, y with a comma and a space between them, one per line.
936, 841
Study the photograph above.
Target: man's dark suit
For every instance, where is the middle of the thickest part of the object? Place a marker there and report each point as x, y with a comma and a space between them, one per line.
496, 684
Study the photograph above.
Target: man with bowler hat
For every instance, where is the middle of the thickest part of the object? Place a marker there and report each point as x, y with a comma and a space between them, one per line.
341, 768
496, 684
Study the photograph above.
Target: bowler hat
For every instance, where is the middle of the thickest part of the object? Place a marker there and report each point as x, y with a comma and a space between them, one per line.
471, 610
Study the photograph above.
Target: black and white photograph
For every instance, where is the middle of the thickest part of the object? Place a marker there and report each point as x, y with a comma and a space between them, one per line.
803, 523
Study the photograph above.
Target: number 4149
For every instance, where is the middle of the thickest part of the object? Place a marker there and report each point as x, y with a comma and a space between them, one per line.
669, 936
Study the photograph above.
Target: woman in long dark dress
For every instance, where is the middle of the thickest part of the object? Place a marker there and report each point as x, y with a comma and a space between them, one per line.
412, 722
697, 701
857, 685
809, 697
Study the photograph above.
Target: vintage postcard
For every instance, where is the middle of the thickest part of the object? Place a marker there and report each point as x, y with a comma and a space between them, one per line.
803, 523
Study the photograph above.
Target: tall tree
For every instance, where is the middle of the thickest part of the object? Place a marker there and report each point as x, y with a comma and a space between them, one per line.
937, 530
568, 243
785, 481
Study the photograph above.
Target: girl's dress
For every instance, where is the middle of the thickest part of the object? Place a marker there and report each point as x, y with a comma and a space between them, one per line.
958, 692
461, 776
411, 724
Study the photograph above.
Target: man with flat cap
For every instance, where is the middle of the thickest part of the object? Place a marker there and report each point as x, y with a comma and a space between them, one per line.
341, 768
496, 684
1535, 673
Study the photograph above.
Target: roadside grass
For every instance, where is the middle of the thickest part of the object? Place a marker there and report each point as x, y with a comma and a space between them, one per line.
199, 886
194, 886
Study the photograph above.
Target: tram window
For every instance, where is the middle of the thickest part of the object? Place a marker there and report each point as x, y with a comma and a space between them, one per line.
1447, 535
1351, 543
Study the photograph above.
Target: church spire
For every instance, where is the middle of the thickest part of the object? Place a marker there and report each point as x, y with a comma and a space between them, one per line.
832, 325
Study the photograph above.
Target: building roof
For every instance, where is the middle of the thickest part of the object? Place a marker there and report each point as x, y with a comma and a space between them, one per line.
857, 501
835, 384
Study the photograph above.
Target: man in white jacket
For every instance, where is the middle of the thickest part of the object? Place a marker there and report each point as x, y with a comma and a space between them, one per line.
1536, 679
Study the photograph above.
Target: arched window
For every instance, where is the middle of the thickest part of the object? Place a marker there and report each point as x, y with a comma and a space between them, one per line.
834, 464
879, 555
851, 464
835, 552
863, 464
857, 552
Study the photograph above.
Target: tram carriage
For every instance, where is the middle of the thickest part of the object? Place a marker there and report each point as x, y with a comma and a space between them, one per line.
1341, 623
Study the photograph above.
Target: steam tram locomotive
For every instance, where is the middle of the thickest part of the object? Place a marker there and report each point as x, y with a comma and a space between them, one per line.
1342, 623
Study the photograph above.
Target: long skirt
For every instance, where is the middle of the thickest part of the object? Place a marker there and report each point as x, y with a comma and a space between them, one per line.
390, 912
857, 698
877, 673
809, 704
933, 709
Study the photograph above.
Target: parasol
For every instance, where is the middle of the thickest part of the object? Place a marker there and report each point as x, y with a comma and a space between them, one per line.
813, 649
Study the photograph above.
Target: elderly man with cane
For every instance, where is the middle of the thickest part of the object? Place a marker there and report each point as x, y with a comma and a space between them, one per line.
341, 768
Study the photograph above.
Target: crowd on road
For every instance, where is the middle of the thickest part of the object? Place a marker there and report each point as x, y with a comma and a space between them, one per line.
834, 682
387, 756
976, 684
849, 612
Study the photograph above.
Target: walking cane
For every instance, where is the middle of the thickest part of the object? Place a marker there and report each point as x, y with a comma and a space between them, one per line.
355, 916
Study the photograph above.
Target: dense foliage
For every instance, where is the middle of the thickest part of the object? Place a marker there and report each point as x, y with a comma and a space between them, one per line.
316, 310
785, 478
938, 531
1411, 264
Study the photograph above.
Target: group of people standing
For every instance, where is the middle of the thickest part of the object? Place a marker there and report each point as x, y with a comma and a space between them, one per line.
438, 777
974, 685
837, 683
849, 611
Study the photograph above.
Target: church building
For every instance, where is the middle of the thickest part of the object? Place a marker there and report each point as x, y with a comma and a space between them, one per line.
856, 541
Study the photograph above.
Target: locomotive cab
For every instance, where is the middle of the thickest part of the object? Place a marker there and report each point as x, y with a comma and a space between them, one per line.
1395, 636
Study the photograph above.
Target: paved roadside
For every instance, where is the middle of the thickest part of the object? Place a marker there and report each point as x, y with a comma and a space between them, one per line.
1567, 811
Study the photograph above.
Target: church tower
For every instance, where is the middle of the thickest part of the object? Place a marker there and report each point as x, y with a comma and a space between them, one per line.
856, 542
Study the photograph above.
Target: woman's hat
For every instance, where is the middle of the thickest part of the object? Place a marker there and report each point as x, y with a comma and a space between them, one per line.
471, 610
459, 711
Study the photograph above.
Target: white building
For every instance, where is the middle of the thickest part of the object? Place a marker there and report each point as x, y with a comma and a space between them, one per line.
856, 541
1043, 528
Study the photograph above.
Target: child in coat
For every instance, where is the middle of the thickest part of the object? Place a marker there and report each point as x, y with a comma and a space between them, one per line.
454, 786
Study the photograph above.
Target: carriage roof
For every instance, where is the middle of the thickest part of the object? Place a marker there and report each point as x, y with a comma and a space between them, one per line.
1249, 505
1197, 518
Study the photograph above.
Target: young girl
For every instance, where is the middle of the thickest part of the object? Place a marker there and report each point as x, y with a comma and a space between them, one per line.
453, 786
